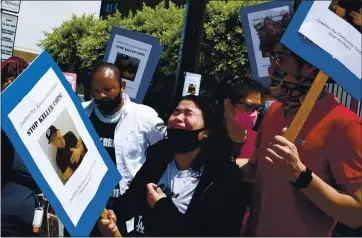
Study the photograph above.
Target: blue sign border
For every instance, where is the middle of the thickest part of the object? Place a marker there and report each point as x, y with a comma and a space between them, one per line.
318, 57
244, 11
11, 97
152, 62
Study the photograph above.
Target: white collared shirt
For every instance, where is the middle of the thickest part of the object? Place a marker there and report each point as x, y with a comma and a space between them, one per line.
138, 127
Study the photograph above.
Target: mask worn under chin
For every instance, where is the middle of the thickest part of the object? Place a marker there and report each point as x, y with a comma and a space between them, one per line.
183, 141
246, 120
107, 107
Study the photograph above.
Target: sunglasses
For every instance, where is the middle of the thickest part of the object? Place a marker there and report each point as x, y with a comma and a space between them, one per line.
252, 107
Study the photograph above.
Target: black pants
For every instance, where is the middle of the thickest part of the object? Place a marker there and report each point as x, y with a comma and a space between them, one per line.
18, 204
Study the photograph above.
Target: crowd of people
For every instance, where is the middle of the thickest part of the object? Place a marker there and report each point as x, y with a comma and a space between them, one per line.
211, 170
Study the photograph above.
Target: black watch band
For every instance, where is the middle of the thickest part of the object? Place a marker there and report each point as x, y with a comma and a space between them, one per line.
303, 180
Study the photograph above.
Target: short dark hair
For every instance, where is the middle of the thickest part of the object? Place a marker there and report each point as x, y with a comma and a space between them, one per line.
101, 67
271, 31
237, 88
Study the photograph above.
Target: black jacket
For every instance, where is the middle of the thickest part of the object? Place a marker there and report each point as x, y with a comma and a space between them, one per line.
18, 193
216, 208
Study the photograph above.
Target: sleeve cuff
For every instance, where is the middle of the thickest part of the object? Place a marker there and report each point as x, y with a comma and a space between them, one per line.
164, 207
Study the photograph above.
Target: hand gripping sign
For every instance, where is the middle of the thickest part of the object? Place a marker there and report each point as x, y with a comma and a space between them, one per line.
48, 127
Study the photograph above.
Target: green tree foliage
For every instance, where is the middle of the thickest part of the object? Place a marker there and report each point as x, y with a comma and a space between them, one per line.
63, 44
80, 42
224, 48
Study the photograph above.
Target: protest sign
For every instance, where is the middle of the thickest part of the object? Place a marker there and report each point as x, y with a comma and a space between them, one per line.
328, 41
47, 124
192, 84
72, 80
11, 6
8, 31
136, 55
252, 18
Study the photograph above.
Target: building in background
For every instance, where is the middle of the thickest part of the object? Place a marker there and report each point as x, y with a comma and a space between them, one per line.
9, 23
109, 7
26, 54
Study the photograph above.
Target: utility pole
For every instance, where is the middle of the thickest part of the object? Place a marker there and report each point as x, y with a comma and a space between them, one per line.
191, 38
167, 4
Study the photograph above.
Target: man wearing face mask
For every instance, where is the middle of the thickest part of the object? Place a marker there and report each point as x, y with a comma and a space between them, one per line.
124, 127
303, 188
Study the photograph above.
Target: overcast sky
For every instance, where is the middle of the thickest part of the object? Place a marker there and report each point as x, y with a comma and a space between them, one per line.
38, 16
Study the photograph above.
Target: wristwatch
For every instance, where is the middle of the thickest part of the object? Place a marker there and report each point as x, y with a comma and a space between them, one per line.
303, 180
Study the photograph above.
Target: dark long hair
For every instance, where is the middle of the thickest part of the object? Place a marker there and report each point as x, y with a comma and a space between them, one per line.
212, 152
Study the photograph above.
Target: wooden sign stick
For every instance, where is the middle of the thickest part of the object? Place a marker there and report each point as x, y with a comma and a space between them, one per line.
105, 216
306, 107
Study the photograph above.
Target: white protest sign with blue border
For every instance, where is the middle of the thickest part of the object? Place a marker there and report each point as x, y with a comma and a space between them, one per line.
136, 55
328, 42
46, 123
251, 16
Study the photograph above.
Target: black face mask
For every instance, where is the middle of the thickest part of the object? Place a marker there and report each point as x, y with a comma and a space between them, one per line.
108, 106
183, 141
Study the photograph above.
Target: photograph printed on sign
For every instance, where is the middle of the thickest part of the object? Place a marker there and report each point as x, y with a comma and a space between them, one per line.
127, 65
53, 132
350, 11
256, 20
41, 113
191, 89
131, 57
63, 146
191, 84
265, 24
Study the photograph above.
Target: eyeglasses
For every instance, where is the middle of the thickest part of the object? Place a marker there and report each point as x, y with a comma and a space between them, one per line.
275, 57
251, 107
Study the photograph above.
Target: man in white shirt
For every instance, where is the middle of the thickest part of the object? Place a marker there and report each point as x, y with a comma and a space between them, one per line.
125, 128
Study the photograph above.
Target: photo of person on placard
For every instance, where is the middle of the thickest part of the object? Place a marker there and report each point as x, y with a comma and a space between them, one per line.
127, 65
191, 89
70, 151
65, 151
349, 10
263, 27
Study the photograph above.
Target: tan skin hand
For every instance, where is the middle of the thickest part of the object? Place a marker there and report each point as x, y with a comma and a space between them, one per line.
77, 152
68, 173
357, 17
284, 155
106, 227
154, 194
340, 11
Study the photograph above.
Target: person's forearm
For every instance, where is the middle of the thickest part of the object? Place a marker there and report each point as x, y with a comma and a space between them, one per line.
341, 207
